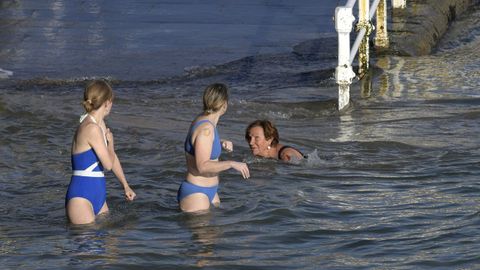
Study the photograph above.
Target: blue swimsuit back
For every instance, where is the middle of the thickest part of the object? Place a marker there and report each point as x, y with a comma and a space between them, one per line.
216, 146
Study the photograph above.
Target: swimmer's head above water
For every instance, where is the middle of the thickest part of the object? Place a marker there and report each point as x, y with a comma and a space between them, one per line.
261, 135
264, 141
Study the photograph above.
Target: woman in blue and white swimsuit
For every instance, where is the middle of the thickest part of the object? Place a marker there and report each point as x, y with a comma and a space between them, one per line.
202, 150
92, 153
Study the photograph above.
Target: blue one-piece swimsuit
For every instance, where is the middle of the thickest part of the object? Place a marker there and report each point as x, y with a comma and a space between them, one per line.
88, 180
187, 188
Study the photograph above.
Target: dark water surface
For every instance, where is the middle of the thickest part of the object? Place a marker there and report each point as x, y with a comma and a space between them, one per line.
392, 183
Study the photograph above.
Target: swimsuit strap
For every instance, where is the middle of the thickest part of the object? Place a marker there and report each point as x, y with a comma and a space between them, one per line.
285, 147
281, 150
200, 122
216, 147
95, 122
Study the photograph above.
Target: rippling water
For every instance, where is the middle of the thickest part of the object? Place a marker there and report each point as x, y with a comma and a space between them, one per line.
392, 183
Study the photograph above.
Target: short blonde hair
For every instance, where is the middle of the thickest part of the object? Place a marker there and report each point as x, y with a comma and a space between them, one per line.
214, 97
96, 93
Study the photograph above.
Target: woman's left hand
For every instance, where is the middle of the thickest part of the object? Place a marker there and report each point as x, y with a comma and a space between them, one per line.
129, 194
227, 145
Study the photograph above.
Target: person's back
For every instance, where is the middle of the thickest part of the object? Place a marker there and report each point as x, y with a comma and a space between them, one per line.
92, 153
202, 150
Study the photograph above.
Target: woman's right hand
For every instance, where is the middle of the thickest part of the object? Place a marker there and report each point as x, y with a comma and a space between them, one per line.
241, 167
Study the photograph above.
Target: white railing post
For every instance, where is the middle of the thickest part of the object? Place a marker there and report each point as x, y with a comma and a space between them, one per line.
364, 22
344, 73
399, 3
343, 24
381, 34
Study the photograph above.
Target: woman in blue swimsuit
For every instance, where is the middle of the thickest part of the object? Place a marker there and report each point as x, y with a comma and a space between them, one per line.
202, 150
92, 153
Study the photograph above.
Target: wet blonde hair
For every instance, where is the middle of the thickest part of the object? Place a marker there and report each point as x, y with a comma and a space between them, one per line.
214, 97
96, 93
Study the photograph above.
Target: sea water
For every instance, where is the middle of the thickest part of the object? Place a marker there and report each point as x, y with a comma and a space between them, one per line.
390, 183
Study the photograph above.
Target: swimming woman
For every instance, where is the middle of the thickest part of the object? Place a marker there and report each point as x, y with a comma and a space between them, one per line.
264, 141
202, 150
93, 152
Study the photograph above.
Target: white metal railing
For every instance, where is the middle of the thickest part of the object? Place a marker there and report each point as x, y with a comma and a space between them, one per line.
344, 19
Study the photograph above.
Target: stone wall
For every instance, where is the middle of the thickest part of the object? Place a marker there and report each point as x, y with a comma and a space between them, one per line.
416, 29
